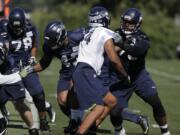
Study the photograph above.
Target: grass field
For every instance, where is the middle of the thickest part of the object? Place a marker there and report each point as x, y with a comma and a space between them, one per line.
166, 73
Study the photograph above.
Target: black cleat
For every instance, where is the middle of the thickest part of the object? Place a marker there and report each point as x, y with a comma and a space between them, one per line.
33, 131
5, 111
72, 127
44, 125
144, 124
3, 126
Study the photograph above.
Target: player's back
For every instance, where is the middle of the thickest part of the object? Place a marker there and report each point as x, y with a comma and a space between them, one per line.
91, 48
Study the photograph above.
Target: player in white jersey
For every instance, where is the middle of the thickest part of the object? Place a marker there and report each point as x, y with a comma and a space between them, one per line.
91, 93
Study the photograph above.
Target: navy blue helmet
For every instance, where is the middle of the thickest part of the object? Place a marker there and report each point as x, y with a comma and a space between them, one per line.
131, 21
3, 51
17, 21
55, 34
99, 16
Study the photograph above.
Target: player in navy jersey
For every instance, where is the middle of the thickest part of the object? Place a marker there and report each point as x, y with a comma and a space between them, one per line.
23, 48
135, 48
63, 45
11, 88
91, 92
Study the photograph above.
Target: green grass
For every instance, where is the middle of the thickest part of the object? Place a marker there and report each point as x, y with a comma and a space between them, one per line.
168, 89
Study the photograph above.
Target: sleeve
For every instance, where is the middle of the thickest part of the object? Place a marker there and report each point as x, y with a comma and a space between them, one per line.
137, 46
10, 79
107, 34
46, 58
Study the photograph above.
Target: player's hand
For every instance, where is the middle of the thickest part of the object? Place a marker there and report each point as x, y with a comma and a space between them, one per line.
32, 60
118, 40
25, 71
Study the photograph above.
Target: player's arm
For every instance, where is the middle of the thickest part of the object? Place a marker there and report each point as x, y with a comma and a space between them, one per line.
136, 46
10, 79
35, 45
110, 50
43, 63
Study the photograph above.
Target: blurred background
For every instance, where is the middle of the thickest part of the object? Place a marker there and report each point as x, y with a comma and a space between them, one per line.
161, 18
161, 22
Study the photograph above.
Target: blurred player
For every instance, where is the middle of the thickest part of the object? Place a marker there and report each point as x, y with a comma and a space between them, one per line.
88, 86
135, 47
63, 45
23, 48
11, 88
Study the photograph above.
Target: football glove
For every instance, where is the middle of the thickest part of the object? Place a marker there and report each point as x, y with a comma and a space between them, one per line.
32, 60
117, 39
26, 70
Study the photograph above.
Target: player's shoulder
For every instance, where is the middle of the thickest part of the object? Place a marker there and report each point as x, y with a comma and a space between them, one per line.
76, 35
104, 31
142, 35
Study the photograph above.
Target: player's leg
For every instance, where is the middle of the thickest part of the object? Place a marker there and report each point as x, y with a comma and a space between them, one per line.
50, 111
16, 93
31, 105
3, 124
5, 111
147, 90
34, 87
76, 113
90, 92
68, 103
3, 120
138, 119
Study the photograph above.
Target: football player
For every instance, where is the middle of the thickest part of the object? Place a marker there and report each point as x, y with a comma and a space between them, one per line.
11, 88
135, 47
91, 93
23, 48
63, 45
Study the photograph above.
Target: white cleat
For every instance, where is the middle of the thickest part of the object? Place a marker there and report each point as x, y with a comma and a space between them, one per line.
167, 133
121, 132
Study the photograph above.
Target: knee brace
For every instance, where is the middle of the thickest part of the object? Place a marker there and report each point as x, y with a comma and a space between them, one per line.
158, 109
115, 116
39, 101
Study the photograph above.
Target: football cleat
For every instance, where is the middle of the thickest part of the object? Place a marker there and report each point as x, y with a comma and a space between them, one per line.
33, 131
121, 132
72, 126
3, 126
51, 114
44, 125
144, 124
167, 133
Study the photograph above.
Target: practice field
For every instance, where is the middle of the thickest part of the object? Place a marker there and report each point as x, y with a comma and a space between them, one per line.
166, 73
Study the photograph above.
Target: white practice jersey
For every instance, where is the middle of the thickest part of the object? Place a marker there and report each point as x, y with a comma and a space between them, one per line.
9, 79
91, 48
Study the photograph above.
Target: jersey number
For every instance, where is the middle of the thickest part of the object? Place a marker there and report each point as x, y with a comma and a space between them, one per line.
27, 41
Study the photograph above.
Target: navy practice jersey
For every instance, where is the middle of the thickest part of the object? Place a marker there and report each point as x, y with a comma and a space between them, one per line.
67, 54
20, 46
133, 54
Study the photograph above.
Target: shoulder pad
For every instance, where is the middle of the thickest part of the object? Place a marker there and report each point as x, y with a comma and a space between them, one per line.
76, 35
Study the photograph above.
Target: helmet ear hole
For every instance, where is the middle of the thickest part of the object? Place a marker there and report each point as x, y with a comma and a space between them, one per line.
55, 34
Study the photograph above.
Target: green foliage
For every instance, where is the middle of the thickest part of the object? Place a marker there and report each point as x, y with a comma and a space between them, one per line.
158, 22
